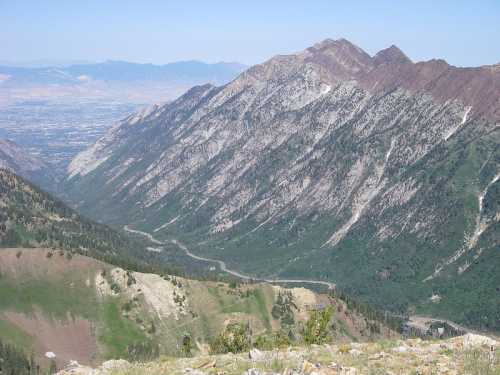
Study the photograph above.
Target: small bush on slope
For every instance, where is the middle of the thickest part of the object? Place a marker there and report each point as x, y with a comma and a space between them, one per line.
235, 338
316, 330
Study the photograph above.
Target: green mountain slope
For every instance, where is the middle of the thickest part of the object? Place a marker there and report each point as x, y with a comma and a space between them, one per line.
33, 218
83, 309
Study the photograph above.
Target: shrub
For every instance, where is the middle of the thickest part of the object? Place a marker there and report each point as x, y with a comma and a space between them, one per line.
344, 349
317, 329
283, 309
187, 345
14, 361
143, 351
115, 287
235, 338
269, 341
130, 279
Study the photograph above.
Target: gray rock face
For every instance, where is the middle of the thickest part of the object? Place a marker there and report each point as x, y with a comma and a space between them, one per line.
305, 166
16, 159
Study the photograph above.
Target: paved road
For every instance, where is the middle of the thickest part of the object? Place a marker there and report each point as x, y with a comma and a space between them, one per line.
222, 265
416, 320
150, 237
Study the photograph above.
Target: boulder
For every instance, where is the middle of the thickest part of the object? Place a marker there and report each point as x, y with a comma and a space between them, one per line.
256, 355
253, 371
355, 352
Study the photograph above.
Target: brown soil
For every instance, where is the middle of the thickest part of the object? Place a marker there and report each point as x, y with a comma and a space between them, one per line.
34, 262
72, 339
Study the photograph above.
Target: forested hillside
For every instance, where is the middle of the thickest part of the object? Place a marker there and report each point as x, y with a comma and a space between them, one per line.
30, 217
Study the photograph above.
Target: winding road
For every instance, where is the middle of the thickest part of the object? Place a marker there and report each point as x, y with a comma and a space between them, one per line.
416, 320
222, 265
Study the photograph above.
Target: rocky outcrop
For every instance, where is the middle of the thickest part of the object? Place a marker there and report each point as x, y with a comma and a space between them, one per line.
460, 355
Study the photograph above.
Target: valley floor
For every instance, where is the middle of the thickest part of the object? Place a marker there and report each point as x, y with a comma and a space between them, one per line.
223, 267
469, 354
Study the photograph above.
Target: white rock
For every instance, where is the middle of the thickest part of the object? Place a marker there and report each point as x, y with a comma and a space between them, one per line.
50, 355
115, 364
355, 352
191, 371
255, 354
471, 340
253, 371
400, 349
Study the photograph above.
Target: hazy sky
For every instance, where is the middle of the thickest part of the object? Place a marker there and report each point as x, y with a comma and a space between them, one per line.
465, 33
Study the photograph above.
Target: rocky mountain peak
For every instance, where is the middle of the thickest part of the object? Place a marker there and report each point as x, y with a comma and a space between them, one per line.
331, 62
391, 55
341, 58
335, 44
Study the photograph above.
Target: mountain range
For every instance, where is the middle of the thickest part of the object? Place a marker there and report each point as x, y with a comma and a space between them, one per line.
120, 71
374, 172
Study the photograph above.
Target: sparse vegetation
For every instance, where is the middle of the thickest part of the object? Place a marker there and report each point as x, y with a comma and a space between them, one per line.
235, 338
118, 333
481, 362
413, 357
187, 345
14, 361
272, 340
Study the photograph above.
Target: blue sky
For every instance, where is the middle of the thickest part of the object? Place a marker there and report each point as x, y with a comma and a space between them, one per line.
465, 33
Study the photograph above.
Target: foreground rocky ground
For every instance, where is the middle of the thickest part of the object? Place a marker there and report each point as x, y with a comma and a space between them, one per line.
469, 354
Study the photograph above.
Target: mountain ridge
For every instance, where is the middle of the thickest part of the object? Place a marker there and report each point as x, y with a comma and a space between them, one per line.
18, 160
321, 164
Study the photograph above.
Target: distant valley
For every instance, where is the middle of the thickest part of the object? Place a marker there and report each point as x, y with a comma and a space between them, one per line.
57, 131
56, 112
109, 81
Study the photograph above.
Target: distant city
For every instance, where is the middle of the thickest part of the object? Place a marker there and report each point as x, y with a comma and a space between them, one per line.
57, 131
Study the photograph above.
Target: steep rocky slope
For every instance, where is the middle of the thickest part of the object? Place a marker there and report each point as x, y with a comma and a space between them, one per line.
377, 173
21, 162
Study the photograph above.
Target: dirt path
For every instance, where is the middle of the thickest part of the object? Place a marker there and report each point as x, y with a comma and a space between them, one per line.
223, 267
